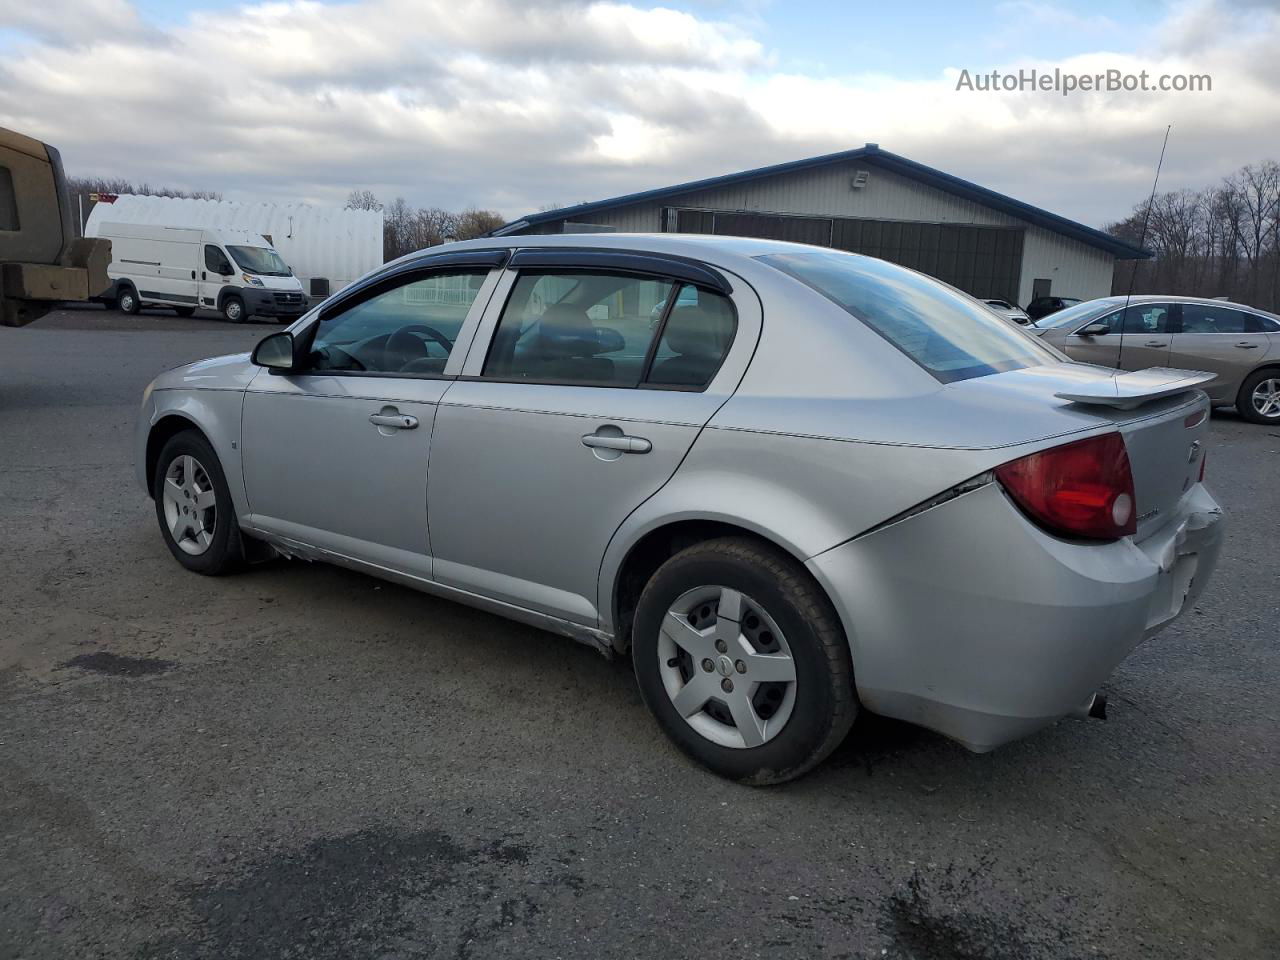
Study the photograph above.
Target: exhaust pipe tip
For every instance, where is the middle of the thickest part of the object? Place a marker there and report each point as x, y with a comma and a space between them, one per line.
1094, 708
1098, 708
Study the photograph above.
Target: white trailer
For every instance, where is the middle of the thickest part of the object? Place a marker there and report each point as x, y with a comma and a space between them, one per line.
327, 247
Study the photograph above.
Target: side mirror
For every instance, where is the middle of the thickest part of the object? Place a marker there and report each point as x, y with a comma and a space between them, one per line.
275, 352
1094, 330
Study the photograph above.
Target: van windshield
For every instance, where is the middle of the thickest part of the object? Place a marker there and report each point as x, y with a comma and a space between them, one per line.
260, 260
941, 329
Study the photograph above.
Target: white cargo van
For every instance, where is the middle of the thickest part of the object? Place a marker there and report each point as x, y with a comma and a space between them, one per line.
235, 272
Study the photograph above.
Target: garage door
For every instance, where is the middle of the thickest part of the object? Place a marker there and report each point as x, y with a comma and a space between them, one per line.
983, 261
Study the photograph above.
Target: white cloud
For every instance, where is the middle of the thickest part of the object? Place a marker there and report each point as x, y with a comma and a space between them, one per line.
514, 104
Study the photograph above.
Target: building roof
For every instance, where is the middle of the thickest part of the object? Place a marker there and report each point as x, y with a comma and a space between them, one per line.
874, 156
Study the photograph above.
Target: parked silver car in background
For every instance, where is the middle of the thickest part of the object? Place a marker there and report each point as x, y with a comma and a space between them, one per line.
819, 483
1239, 345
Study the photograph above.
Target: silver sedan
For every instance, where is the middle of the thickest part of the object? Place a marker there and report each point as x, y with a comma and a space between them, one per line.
817, 484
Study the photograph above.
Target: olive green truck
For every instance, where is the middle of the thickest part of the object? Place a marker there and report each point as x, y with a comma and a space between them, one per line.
43, 259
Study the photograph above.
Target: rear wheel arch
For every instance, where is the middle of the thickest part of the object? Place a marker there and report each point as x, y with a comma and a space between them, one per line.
658, 545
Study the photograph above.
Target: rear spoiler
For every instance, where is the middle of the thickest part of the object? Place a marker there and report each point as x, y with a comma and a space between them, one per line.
1126, 391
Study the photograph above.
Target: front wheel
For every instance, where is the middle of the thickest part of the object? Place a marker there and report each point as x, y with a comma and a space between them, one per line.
741, 658
1259, 398
194, 508
233, 309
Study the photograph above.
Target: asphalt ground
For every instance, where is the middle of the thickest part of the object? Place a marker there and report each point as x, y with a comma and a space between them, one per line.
301, 761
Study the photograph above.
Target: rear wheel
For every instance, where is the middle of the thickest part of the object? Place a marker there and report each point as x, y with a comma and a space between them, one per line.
193, 506
128, 301
741, 658
233, 309
1259, 398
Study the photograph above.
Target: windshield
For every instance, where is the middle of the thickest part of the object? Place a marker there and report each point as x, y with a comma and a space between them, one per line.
260, 260
1081, 311
938, 327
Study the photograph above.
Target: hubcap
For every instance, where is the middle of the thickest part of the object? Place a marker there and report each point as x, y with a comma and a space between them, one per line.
233, 311
127, 302
1266, 398
726, 667
190, 507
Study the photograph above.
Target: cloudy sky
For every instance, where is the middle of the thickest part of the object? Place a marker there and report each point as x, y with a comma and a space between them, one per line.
520, 104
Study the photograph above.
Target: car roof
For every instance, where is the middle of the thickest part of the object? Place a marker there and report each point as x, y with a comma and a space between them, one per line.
717, 250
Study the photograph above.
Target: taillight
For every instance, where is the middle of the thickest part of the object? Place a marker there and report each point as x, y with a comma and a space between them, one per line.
1080, 489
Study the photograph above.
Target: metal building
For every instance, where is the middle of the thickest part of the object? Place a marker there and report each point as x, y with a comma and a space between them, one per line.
878, 203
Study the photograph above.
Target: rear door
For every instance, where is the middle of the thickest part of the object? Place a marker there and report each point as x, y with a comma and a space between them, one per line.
1222, 340
573, 408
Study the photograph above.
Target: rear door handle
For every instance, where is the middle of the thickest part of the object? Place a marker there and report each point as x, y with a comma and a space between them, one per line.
396, 421
1156, 343
1246, 345
624, 443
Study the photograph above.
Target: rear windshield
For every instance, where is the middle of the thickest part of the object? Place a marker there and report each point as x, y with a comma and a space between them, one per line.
1081, 311
941, 329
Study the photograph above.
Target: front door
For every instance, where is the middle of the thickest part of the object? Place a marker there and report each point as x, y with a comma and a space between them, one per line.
336, 456
215, 273
580, 405
1132, 340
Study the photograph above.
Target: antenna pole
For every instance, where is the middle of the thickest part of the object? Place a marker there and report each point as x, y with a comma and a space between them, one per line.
1146, 218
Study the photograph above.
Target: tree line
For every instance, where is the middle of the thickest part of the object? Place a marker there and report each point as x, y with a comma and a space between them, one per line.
81, 189
406, 228
1220, 241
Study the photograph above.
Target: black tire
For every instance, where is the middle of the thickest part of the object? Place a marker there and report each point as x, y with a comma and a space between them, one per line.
127, 301
825, 699
225, 552
184, 311
1244, 400
233, 309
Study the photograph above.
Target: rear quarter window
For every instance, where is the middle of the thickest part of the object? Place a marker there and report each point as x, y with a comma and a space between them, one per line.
941, 329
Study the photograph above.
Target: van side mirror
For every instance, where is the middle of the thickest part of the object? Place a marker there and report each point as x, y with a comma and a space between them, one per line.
1095, 330
275, 352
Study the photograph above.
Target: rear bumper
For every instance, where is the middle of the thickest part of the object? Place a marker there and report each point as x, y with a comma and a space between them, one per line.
971, 621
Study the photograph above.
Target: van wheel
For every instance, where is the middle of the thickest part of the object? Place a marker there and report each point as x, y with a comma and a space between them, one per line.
1259, 398
128, 301
233, 309
184, 311
743, 661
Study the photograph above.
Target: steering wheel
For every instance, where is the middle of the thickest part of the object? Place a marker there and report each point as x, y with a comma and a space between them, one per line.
431, 333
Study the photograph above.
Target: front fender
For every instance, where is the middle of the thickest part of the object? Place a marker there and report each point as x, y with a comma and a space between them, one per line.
216, 414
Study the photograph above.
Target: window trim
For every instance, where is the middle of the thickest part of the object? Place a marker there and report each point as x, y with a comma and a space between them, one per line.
516, 272
305, 338
583, 259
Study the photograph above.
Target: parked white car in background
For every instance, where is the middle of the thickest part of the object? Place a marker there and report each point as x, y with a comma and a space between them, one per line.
1009, 311
235, 272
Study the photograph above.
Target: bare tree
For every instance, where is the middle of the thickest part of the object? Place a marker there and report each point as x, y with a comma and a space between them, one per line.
1223, 240
362, 200
83, 191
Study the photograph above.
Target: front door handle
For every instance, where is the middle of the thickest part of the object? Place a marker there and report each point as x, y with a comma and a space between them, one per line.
1156, 343
623, 443
396, 421
1246, 345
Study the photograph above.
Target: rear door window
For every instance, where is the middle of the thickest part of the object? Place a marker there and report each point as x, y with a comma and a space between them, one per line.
941, 329
1199, 318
